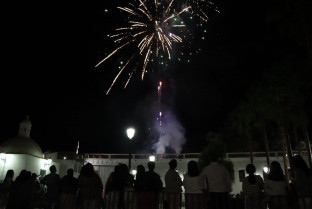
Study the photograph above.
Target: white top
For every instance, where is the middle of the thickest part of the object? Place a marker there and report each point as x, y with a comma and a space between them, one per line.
218, 178
275, 188
193, 184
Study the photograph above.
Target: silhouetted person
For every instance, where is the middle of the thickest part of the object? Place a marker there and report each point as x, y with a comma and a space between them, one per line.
303, 182
52, 181
114, 189
37, 192
173, 188
275, 187
5, 188
194, 187
91, 187
252, 187
68, 190
139, 186
109, 186
22, 192
152, 188
219, 183
139, 179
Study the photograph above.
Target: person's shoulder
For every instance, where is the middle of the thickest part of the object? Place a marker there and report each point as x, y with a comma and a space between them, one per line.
156, 174
245, 179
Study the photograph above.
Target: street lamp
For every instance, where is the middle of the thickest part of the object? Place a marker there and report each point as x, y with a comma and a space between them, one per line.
130, 134
152, 158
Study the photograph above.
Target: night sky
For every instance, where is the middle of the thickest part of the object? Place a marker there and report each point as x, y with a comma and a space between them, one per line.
49, 53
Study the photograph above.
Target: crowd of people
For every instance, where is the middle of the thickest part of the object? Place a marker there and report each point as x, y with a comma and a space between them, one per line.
274, 191
208, 188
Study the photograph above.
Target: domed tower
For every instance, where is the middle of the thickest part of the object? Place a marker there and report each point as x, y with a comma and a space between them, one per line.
22, 143
25, 128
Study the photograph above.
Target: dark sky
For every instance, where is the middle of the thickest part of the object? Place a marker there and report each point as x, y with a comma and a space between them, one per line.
49, 53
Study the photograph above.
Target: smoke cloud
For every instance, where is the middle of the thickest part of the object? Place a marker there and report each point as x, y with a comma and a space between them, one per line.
171, 134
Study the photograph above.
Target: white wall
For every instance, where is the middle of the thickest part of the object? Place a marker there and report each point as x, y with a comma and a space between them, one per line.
18, 162
105, 166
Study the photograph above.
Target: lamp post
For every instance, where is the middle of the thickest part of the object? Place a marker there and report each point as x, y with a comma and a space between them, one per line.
130, 134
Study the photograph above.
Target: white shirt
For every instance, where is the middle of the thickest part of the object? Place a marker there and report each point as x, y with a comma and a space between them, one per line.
193, 184
218, 178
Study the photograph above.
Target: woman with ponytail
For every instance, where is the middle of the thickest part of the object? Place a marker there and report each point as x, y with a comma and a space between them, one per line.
252, 187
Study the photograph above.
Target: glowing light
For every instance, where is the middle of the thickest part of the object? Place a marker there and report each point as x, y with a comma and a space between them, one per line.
266, 169
130, 133
152, 158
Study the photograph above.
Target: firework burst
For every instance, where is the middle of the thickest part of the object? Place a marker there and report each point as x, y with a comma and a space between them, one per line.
149, 30
153, 29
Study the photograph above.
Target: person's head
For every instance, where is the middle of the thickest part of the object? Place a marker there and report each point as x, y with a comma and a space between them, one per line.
22, 173
34, 175
123, 170
9, 174
299, 163
276, 172
151, 165
88, 169
192, 168
140, 169
173, 164
53, 169
70, 172
250, 169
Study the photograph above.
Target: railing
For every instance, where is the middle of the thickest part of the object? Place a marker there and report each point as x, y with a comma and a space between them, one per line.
128, 200
142, 156
186, 155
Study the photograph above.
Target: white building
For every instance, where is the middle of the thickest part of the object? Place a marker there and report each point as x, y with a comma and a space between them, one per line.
22, 152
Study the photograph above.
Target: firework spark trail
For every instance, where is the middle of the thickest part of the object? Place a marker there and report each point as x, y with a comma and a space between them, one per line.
168, 8
119, 74
159, 101
198, 7
112, 53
